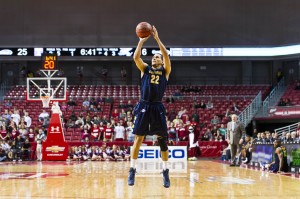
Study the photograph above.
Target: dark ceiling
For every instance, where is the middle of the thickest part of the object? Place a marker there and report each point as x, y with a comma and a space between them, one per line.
111, 23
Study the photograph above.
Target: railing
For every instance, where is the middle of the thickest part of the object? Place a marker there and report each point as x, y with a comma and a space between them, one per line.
4, 87
248, 113
116, 79
272, 99
287, 129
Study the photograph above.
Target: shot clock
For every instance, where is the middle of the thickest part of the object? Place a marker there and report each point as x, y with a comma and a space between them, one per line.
49, 62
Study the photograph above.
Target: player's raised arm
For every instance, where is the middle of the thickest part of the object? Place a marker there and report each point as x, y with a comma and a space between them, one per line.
166, 58
137, 55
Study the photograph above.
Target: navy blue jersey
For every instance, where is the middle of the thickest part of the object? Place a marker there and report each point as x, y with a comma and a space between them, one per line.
153, 85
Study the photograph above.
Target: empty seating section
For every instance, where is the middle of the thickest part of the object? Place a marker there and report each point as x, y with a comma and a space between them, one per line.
222, 98
292, 94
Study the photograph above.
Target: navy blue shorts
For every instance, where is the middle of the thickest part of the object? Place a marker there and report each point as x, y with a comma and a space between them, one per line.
150, 119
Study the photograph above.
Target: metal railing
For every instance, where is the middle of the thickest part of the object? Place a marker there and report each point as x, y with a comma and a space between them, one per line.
287, 129
272, 99
4, 87
249, 112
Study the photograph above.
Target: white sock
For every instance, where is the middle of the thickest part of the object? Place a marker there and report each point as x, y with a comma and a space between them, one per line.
165, 165
133, 163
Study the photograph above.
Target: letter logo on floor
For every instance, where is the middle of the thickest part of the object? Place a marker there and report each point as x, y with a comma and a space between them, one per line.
176, 153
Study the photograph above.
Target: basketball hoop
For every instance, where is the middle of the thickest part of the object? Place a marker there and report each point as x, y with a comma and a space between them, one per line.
46, 100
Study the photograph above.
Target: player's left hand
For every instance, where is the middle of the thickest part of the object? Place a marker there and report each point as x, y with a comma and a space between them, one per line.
154, 32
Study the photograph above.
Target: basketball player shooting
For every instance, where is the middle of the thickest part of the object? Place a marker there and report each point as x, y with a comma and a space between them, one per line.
150, 112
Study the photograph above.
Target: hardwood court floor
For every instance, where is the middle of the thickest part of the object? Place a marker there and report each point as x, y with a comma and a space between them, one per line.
199, 179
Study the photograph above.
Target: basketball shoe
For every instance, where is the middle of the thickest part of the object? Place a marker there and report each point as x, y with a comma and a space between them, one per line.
166, 178
131, 176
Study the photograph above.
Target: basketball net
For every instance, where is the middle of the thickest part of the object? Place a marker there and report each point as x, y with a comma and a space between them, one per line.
46, 100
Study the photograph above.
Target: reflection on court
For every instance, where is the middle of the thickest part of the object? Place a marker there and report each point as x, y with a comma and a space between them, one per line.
198, 179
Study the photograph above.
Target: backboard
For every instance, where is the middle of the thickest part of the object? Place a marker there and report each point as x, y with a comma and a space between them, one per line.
55, 87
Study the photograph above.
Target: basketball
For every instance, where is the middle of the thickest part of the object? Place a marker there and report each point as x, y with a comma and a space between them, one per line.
143, 29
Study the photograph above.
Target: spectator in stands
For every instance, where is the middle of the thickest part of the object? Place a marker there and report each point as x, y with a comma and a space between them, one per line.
170, 99
171, 114
17, 149
43, 115
209, 105
99, 108
71, 102
281, 102
129, 105
297, 87
217, 136
129, 130
195, 116
172, 132
268, 138
23, 131
223, 131
26, 149
288, 137
182, 132
86, 103
194, 124
27, 119
182, 112
288, 102
215, 120
96, 120
195, 104
122, 114
104, 120
177, 120
108, 133
115, 114
85, 133
208, 136
31, 135
79, 121
93, 102
263, 137
14, 133
8, 104
3, 133
46, 122
294, 136
92, 108
70, 123
177, 94
119, 132
6, 116
16, 117
202, 105
95, 133
214, 130
64, 106
235, 109
274, 136
3, 155
122, 104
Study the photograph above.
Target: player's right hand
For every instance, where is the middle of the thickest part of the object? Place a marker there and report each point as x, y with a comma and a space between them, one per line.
144, 39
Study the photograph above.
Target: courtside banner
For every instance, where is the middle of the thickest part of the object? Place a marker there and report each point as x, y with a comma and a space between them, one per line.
150, 153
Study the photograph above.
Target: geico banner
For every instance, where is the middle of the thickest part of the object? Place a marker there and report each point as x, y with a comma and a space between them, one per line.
150, 153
